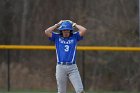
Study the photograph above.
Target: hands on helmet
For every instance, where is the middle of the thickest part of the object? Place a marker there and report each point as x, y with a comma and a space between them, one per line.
60, 22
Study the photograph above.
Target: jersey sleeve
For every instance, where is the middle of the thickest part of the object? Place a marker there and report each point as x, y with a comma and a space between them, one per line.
78, 37
54, 36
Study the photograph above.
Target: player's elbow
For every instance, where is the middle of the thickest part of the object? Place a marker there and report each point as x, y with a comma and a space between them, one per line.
84, 30
48, 33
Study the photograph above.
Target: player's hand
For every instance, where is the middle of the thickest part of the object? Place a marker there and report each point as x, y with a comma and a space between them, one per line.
74, 24
59, 23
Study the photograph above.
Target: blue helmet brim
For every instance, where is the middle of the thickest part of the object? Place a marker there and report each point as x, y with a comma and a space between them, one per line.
61, 29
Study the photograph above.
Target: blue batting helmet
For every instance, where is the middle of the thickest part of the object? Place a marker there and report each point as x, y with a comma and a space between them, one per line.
66, 25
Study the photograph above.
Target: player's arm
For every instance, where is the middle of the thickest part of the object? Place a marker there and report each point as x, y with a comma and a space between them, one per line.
49, 30
82, 30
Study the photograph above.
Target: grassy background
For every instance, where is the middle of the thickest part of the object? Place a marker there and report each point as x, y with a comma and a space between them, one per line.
67, 92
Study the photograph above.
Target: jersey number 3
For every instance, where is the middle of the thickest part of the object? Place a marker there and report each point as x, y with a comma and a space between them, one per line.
66, 48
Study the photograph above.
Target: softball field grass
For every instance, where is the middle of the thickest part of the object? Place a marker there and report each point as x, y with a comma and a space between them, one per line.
56, 92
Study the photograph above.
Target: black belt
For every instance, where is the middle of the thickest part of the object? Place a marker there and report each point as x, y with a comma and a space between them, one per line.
65, 63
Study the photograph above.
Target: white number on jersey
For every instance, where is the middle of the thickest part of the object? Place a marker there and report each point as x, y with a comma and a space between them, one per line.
66, 48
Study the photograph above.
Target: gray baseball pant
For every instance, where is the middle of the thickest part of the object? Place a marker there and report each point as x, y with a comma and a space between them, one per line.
63, 72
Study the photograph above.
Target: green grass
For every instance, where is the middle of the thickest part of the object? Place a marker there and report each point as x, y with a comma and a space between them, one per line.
56, 92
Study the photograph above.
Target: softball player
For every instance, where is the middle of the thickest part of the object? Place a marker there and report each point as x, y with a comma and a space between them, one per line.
66, 43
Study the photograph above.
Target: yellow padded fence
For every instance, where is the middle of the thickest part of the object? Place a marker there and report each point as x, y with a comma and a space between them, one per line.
86, 48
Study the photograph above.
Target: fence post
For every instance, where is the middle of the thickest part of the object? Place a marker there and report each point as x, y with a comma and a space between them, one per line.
83, 67
8, 70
